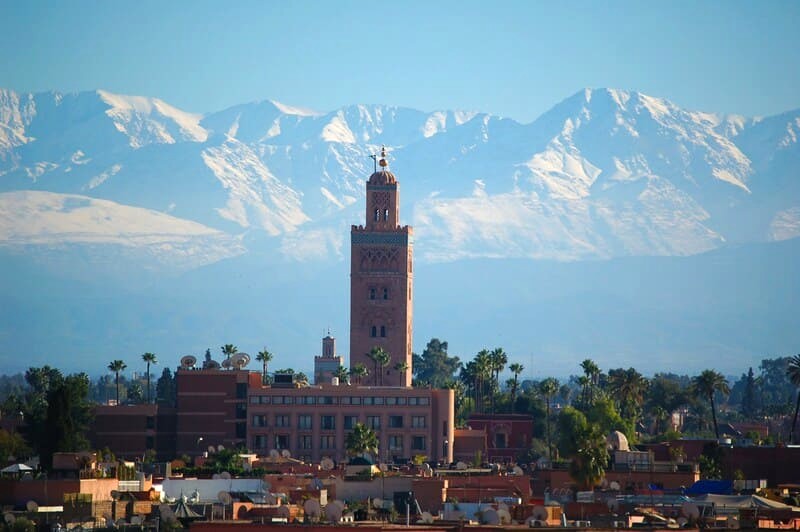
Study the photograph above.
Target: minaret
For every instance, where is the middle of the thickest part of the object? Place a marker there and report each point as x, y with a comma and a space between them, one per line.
381, 282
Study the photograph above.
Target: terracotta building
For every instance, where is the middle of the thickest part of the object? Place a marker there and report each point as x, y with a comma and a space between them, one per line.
381, 277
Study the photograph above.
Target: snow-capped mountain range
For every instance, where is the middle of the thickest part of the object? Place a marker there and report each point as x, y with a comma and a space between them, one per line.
605, 173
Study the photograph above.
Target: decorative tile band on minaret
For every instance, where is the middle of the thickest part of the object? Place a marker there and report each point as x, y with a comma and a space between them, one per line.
381, 283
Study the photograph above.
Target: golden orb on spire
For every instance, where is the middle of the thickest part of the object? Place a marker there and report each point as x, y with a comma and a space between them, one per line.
383, 161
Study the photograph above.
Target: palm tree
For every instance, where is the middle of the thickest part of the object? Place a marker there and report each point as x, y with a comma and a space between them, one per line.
483, 369
706, 385
402, 367
592, 373
793, 372
229, 350
150, 358
379, 357
341, 373
383, 360
548, 388
627, 387
362, 440
264, 357
359, 371
589, 464
498, 360
116, 366
516, 368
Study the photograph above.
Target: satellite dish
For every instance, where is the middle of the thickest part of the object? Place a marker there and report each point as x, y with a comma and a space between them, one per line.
502, 506
220, 447
285, 453
461, 466
539, 513
426, 518
215, 476
32, 506
227, 363
224, 497
333, 513
490, 517
265, 485
273, 453
326, 464
188, 362
614, 485
338, 503
690, 510
312, 508
211, 364
504, 515
136, 520
9, 518
211, 449
604, 483
518, 471
377, 503
115, 495
225, 475
682, 522
240, 360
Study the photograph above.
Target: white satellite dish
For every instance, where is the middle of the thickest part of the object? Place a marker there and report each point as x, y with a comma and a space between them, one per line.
273, 453
240, 360
377, 503
188, 362
539, 513
227, 363
9, 518
333, 513
220, 447
215, 476
326, 464
32, 506
461, 466
490, 517
614, 485
211, 449
504, 515
286, 454
426, 518
211, 364
690, 510
682, 522
518, 471
312, 508
224, 497
225, 475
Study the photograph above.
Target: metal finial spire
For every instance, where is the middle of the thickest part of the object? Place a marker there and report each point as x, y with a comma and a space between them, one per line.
383, 162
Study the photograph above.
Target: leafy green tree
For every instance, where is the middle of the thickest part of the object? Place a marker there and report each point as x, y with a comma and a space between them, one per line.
135, 394
12, 444
66, 419
342, 374
358, 372
115, 366
583, 442
548, 388
435, 367
793, 372
362, 440
149, 358
264, 357
165, 388
628, 387
706, 386
401, 367
516, 368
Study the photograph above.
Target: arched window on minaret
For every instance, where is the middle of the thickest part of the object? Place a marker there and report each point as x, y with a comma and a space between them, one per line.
373, 331
386, 214
385, 293
377, 215
383, 331
372, 293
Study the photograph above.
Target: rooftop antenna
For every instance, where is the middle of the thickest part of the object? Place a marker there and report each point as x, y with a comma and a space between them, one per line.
374, 158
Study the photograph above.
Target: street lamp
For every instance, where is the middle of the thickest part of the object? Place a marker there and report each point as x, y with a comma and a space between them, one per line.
444, 451
200, 439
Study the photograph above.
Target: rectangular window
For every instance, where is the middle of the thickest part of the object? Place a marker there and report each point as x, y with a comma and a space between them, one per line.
500, 440
308, 400
277, 400
259, 420
369, 401
241, 411
241, 390
288, 399
379, 400
150, 423
326, 400
345, 400
282, 421
260, 441
149, 442
413, 401
265, 399
304, 422
327, 442
374, 422
255, 399
391, 401
328, 422
418, 422
418, 443
241, 429
281, 441
396, 443
304, 442
401, 400
424, 401
356, 400
395, 422
350, 422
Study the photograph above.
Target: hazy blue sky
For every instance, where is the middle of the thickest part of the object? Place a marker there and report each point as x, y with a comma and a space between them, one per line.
515, 59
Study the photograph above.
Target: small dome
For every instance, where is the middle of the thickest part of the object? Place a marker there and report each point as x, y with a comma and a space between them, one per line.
382, 177
617, 441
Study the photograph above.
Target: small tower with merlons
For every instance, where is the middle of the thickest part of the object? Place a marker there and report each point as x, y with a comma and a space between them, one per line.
381, 282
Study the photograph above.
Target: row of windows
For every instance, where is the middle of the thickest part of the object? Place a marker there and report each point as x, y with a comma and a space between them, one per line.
374, 292
305, 422
328, 400
373, 331
305, 442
